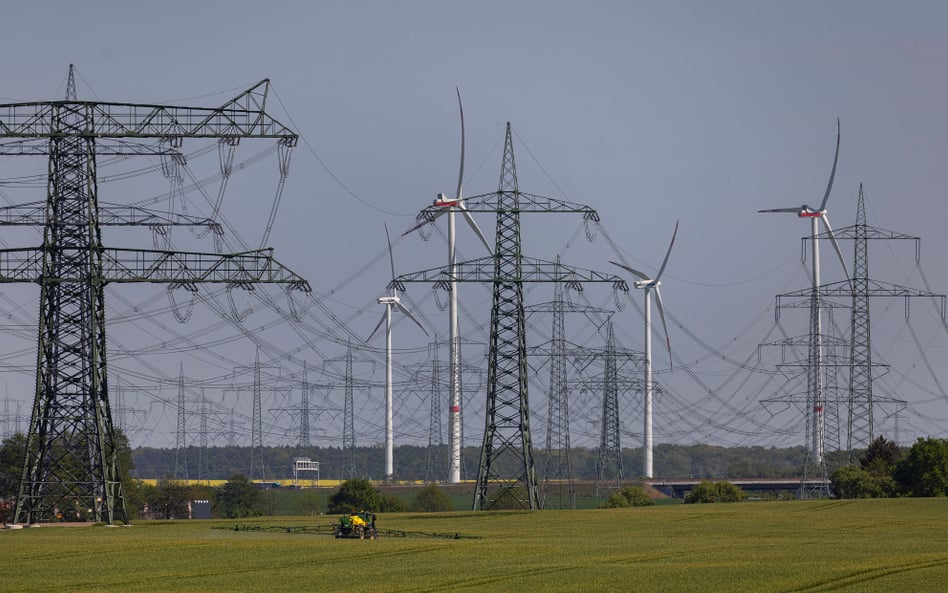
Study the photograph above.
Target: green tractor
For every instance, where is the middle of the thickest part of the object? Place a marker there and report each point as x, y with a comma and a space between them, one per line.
356, 526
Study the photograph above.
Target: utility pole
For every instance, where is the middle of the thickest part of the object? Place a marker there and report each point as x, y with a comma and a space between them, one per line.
71, 421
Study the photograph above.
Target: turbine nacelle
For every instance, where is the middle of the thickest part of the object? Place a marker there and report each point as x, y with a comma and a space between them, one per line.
443, 201
389, 300
641, 284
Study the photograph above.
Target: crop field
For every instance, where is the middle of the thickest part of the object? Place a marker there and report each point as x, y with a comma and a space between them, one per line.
860, 546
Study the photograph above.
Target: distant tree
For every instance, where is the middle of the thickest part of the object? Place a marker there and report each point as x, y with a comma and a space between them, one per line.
238, 498
356, 494
715, 492
11, 465
389, 503
924, 470
168, 500
309, 502
880, 457
628, 496
431, 499
850, 481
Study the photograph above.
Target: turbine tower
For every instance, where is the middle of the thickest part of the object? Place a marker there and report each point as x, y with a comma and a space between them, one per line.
449, 206
71, 422
816, 403
391, 302
647, 284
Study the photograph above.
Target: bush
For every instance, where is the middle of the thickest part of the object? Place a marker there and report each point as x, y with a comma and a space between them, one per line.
309, 502
715, 492
850, 481
389, 503
628, 496
355, 495
431, 499
238, 498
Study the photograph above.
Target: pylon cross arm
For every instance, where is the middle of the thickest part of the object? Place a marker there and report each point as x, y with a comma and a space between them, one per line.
531, 270
243, 116
178, 267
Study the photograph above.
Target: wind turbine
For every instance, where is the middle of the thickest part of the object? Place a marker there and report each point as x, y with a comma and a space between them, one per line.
815, 362
390, 301
647, 284
450, 206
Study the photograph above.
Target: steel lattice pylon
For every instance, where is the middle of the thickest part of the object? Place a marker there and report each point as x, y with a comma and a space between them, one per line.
861, 399
181, 435
610, 448
859, 433
559, 468
436, 456
506, 473
70, 464
348, 421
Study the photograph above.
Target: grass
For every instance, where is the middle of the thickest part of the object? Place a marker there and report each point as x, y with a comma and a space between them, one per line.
863, 546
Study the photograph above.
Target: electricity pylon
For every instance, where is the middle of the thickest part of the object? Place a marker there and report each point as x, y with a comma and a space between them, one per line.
70, 460
861, 400
557, 478
181, 434
506, 473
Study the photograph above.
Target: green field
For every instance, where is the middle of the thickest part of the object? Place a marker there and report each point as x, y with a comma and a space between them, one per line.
800, 546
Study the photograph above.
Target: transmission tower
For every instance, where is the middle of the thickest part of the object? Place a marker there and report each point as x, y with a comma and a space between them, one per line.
348, 421
610, 448
435, 469
861, 400
558, 468
506, 472
814, 479
304, 410
7, 422
203, 468
180, 442
862, 369
257, 470
71, 421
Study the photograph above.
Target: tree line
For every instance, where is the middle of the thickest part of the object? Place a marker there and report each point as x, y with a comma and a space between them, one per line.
423, 464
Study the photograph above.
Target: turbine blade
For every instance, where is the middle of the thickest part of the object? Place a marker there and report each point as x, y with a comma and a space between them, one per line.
793, 210
391, 258
405, 310
829, 186
461, 168
474, 227
635, 273
667, 253
377, 326
839, 253
661, 313
433, 218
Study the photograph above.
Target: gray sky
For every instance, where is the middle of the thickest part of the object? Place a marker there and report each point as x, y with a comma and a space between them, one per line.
649, 112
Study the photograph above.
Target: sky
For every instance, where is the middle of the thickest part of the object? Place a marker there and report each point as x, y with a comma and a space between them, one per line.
650, 112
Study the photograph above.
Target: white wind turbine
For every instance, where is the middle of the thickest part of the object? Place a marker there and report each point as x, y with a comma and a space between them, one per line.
815, 361
647, 284
391, 302
450, 206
